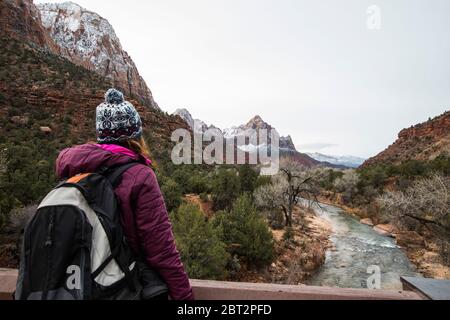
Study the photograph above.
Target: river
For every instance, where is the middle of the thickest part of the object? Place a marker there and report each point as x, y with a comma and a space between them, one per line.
356, 248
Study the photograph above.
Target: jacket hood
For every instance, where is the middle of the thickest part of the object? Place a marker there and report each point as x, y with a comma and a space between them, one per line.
90, 158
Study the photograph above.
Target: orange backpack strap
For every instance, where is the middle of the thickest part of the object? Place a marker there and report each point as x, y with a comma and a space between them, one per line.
78, 178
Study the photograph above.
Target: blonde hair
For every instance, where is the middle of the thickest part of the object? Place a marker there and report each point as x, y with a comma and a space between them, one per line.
139, 146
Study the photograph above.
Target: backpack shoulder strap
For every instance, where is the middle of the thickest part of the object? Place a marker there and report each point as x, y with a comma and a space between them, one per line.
114, 174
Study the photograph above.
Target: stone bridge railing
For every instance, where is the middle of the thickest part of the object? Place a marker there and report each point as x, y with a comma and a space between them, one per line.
216, 290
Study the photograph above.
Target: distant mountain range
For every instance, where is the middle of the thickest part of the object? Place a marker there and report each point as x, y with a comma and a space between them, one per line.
256, 123
424, 141
286, 144
346, 161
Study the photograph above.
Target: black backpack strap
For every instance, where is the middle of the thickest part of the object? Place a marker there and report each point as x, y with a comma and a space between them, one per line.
114, 174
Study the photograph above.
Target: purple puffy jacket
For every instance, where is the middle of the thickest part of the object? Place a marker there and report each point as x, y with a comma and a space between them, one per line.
144, 215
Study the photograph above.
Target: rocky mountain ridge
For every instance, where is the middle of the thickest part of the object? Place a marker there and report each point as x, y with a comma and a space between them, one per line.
286, 145
424, 141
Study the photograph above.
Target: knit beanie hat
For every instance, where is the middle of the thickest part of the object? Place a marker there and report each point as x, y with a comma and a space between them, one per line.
117, 119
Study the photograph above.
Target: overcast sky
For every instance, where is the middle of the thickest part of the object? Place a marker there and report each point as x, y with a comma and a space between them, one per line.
312, 69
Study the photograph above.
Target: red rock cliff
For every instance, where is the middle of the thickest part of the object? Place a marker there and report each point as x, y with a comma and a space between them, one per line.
424, 141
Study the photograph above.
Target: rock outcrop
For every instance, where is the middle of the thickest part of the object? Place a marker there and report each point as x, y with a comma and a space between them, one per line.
387, 230
87, 39
425, 141
20, 19
287, 144
367, 222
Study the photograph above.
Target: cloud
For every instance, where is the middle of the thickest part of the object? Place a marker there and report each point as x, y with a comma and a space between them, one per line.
318, 146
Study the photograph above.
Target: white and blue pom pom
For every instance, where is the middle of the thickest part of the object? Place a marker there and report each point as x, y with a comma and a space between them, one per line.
113, 96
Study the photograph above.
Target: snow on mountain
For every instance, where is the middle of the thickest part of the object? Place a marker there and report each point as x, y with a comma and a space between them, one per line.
251, 130
347, 161
248, 130
87, 39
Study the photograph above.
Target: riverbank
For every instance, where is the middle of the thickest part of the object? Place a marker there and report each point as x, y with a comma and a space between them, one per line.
423, 254
335, 200
428, 261
297, 259
358, 251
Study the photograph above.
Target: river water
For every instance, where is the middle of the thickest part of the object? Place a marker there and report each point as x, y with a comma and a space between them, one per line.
358, 247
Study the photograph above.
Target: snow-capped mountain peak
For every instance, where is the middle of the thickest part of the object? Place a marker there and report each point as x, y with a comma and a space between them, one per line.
249, 130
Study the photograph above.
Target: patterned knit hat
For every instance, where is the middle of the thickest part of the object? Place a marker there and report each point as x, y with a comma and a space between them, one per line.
117, 119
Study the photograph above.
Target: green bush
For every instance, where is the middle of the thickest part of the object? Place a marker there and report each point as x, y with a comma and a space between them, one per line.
197, 184
441, 164
181, 176
330, 177
288, 235
225, 189
376, 176
192, 179
204, 197
373, 176
412, 168
172, 193
246, 233
203, 254
262, 181
248, 178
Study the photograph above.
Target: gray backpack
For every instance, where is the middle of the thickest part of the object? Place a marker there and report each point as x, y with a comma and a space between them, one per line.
74, 247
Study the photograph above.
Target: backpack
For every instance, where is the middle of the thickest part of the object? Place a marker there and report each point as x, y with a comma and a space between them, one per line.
74, 248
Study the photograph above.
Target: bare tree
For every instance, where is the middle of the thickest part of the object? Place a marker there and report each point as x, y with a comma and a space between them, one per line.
348, 181
289, 187
426, 202
20, 218
347, 184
